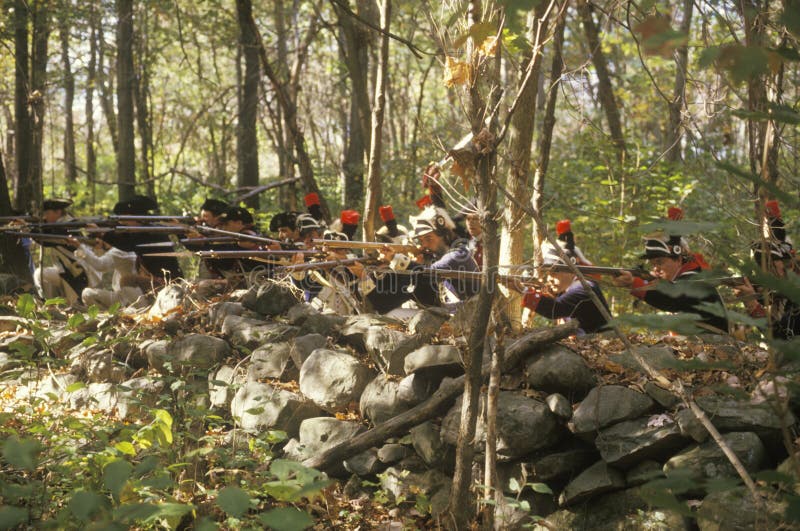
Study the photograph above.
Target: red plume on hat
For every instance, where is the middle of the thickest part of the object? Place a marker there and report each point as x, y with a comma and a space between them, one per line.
563, 226
675, 213
350, 217
424, 201
772, 208
311, 199
386, 212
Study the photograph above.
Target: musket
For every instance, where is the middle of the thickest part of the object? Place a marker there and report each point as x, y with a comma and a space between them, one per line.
43, 237
134, 229
339, 244
244, 253
192, 241
151, 219
597, 270
475, 276
313, 266
6, 219
237, 235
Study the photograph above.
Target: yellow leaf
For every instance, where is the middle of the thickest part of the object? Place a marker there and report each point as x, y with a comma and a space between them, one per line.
489, 46
456, 72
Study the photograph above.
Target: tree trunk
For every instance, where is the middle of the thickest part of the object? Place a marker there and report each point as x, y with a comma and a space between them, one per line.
672, 148
106, 79
290, 110
91, 79
41, 37
23, 127
512, 242
141, 91
246, 132
13, 258
460, 507
126, 155
355, 39
546, 134
374, 176
605, 90
69, 97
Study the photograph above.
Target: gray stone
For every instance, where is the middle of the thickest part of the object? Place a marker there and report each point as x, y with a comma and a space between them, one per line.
559, 465
270, 299
400, 483
427, 322
559, 405
95, 364
97, 397
729, 414
258, 405
416, 388
644, 472
48, 387
392, 453
662, 396
380, 400
364, 464
303, 346
595, 480
427, 442
659, 357
251, 333
333, 379
523, 425
219, 311
168, 300
191, 353
310, 321
626, 510
559, 370
706, 461
691, 426
606, 405
627, 443
430, 356
8, 284
383, 345
322, 433
138, 394
354, 330
221, 385
271, 361
734, 510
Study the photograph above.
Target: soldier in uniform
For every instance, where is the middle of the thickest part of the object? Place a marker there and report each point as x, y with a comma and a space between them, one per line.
67, 277
565, 297
676, 288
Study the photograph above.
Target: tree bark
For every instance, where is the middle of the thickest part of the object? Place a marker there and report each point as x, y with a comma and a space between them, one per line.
91, 79
22, 118
355, 50
41, 37
126, 155
106, 79
376, 144
70, 172
546, 134
13, 258
290, 111
605, 89
673, 150
141, 91
246, 132
512, 242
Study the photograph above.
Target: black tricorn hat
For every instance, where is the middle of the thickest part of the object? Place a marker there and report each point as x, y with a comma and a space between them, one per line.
659, 247
56, 203
215, 206
238, 214
138, 205
283, 219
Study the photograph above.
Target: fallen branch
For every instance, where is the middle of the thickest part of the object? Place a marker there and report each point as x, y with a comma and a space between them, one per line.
435, 405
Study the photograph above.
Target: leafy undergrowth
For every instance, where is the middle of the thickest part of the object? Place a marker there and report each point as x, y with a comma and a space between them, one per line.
171, 465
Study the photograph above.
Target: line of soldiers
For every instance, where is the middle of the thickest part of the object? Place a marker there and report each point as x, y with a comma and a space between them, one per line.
436, 262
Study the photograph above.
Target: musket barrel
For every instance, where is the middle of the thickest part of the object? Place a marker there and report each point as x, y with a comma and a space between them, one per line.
237, 235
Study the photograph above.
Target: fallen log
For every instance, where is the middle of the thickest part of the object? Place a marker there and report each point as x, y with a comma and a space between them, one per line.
435, 405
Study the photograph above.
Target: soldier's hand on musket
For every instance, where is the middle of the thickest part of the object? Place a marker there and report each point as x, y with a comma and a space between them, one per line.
72, 241
745, 290
623, 280
387, 254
